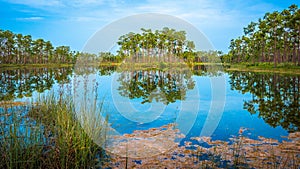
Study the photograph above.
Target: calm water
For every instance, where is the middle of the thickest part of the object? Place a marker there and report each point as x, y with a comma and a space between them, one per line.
266, 104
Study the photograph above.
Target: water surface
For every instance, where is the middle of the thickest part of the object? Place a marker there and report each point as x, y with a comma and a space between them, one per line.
266, 104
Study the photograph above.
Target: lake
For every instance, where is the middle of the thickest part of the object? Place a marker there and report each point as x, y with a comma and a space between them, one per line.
264, 104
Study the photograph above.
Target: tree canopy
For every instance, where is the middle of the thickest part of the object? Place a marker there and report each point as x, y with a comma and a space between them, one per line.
166, 45
274, 39
22, 49
159, 45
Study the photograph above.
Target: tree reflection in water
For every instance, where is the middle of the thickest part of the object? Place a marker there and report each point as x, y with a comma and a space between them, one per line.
275, 98
166, 86
18, 83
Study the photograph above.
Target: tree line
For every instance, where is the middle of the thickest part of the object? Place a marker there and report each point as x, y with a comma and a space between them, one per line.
166, 45
273, 39
210, 56
22, 49
158, 45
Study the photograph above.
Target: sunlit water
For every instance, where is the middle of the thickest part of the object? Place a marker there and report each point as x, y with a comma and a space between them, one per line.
280, 93
233, 118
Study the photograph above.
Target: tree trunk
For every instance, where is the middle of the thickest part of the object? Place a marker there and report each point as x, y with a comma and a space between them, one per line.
263, 51
294, 53
275, 51
284, 58
298, 46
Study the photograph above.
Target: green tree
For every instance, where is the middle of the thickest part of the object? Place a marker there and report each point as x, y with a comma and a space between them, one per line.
160, 45
274, 39
21, 49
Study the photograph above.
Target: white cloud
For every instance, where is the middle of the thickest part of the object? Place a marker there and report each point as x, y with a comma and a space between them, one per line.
35, 18
84, 19
63, 3
219, 18
204, 10
37, 3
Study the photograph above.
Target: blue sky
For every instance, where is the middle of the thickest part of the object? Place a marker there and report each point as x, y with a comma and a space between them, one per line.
72, 23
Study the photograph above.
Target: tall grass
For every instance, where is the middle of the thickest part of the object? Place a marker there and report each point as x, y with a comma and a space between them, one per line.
47, 134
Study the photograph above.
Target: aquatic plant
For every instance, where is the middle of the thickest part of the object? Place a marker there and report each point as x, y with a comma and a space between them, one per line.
157, 148
46, 134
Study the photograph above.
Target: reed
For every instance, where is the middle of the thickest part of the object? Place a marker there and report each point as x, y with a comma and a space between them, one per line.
47, 134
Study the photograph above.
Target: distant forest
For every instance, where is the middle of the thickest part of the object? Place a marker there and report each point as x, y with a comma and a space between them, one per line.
275, 38
22, 49
166, 45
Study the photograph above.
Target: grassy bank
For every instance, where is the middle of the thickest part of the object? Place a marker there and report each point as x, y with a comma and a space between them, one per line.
46, 135
285, 68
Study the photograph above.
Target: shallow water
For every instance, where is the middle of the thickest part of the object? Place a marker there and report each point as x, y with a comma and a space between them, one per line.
265, 104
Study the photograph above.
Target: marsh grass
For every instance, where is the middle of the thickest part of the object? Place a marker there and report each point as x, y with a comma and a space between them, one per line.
47, 135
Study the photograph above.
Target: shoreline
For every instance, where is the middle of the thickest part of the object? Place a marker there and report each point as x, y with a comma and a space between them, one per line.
280, 69
266, 68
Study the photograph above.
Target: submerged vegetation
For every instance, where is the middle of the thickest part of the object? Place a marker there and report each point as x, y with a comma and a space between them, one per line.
155, 148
